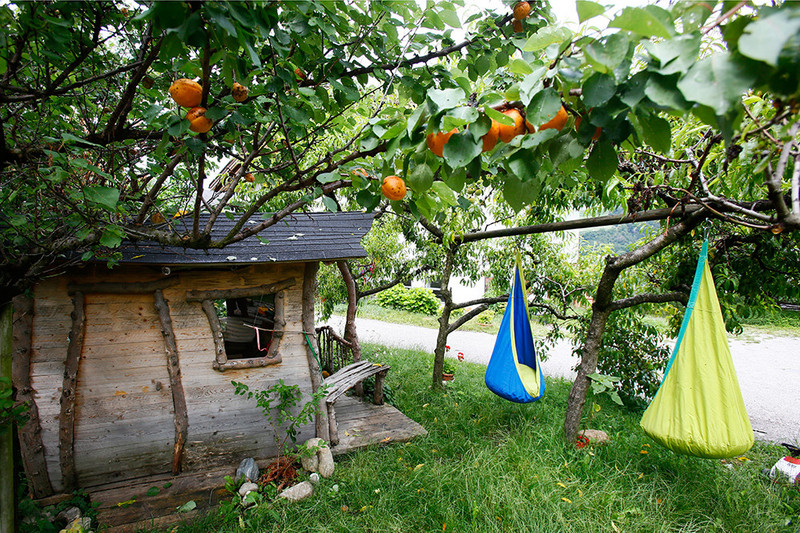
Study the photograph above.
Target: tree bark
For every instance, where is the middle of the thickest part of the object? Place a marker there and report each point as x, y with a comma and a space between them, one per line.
444, 319
602, 308
7, 438
350, 333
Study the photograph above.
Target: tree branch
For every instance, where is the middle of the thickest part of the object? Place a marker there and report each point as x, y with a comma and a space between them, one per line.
624, 303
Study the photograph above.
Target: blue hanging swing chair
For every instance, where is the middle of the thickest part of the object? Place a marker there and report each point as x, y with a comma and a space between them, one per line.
514, 371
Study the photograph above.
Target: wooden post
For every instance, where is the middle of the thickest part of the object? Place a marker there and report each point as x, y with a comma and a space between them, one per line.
216, 332
7, 436
377, 394
176, 384
29, 433
309, 289
66, 430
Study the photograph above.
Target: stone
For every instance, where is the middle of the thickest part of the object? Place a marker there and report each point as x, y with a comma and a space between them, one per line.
247, 487
68, 515
326, 464
314, 478
247, 468
595, 436
79, 525
311, 463
301, 491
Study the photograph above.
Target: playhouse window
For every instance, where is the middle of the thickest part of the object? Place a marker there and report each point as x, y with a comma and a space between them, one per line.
247, 325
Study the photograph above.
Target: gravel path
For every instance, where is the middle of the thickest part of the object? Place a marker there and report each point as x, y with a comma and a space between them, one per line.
768, 368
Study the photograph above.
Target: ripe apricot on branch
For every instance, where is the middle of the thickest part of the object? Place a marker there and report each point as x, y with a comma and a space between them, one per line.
198, 122
491, 136
239, 92
299, 73
597, 131
186, 93
521, 10
249, 178
557, 122
509, 132
393, 188
436, 141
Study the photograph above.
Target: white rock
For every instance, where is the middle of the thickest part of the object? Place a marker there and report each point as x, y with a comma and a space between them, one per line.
311, 464
314, 478
247, 487
595, 436
326, 464
301, 491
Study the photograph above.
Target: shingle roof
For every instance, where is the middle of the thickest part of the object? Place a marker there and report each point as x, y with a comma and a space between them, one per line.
297, 238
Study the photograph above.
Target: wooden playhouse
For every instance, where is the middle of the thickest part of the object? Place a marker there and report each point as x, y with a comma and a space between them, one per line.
128, 370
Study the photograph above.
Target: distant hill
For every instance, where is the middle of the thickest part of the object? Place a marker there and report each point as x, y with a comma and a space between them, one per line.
619, 238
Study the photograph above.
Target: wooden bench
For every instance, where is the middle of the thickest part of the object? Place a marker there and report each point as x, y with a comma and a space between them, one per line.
347, 378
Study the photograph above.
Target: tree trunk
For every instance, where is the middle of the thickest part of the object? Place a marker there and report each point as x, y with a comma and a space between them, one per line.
444, 319
603, 306
350, 334
7, 437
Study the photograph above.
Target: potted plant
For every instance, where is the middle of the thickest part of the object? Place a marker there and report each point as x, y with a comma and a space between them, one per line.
448, 370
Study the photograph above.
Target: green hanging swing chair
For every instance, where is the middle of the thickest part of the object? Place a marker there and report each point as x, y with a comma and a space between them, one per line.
699, 410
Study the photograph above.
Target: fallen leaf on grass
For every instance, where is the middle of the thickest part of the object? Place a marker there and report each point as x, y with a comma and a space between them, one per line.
566, 500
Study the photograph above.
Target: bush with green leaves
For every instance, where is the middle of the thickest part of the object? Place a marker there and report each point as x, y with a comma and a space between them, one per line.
415, 300
635, 352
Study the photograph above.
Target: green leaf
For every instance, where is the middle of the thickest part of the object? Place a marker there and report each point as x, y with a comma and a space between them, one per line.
460, 116
642, 21
587, 10
328, 177
609, 52
112, 236
444, 193
68, 137
152, 491
675, 55
663, 91
498, 116
523, 165
450, 18
531, 84
421, 178
545, 36
518, 194
106, 197
544, 106
443, 99
461, 149
656, 132
598, 89
603, 161
764, 38
330, 204
717, 81
520, 66
186, 507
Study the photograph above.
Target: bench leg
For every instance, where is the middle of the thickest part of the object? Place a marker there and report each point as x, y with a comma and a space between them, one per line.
377, 395
332, 426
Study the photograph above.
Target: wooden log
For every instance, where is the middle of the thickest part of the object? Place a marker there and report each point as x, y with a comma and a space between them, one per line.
238, 364
377, 394
7, 507
30, 433
178, 394
245, 292
322, 426
123, 288
66, 427
333, 428
216, 331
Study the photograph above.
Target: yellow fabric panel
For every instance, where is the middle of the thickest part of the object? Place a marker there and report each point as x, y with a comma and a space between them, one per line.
699, 409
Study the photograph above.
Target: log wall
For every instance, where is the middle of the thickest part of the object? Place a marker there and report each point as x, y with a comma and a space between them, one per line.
124, 415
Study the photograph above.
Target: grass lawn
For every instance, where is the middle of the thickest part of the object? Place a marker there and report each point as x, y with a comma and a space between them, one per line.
489, 465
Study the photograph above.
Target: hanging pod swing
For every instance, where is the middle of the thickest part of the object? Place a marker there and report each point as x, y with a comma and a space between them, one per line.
514, 371
698, 409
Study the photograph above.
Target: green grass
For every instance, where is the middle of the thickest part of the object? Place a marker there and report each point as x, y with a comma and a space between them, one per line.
489, 465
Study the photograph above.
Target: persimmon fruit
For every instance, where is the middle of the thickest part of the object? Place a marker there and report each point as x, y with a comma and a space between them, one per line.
521, 10
490, 137
557, 122
239, 92
198, 122
509, 132
436, 141
186, 92
393, 188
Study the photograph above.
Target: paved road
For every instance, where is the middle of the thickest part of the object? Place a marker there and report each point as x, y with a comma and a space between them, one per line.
768, 368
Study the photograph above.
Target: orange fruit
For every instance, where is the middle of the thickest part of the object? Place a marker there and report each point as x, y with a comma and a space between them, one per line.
509, 132
521, 10
393, 188
436, 141
299, 73
186, 93
491, 136
597, 131
157, 218
517, 25
249, 178
239, 92
557, 122
198, 122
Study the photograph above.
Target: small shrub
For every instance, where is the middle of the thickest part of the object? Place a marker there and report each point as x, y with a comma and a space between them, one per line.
485, 318
415, 300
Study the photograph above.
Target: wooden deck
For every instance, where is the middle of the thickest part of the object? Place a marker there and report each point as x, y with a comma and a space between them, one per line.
360, 425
